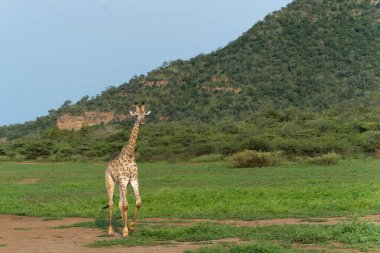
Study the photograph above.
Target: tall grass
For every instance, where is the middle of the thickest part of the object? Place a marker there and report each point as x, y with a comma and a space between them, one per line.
250, 158
326, 159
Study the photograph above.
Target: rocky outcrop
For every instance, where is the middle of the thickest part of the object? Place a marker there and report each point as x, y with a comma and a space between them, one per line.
235, 90
220, 83
159, 83
91, 118
219, 79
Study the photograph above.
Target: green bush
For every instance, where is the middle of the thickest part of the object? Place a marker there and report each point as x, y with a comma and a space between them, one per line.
2, 151
314, 146
250, 158
202, 149
373, 139
326, 159
257, 143
370, 126
37, 149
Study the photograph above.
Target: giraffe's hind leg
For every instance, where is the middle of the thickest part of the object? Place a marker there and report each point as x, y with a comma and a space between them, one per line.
110, 185
135, 186
123, 190
121, 203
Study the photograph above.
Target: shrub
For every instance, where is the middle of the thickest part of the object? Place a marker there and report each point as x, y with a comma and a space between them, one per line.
202, 149
369, 126
2, 151
314, 146
373, 139
326, 159
37, 149
250, 158
257, 143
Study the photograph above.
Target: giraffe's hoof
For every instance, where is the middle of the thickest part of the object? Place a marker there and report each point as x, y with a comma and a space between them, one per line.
125, 232
110, 231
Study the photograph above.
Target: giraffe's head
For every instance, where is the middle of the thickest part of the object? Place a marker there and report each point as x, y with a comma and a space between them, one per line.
140, 113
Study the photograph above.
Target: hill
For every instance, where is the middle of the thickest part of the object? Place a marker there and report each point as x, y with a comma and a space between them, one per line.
305, 80
311, 54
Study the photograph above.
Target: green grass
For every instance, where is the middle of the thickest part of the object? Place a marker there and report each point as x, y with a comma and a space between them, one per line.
363, 236
313, 220
211, 190
51, 218
21, 228
207, 158
247, 248
2, 244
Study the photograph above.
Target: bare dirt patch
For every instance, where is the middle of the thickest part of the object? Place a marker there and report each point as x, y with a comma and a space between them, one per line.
23, 234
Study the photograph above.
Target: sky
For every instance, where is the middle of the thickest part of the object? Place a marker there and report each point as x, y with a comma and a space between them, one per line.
53, 50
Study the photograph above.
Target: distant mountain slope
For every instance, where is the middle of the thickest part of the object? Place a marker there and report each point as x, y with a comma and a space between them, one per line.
309, 72
312, 54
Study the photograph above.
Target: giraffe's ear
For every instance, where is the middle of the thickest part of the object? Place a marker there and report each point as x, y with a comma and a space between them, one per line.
132, 113
147, 113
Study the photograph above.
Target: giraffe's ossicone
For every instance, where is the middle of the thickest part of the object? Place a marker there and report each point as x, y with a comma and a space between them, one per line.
122, 170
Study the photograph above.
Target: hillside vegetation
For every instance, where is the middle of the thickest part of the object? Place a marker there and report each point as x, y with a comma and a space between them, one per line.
305, 80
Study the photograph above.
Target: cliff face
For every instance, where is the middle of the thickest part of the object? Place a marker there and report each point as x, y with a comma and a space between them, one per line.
160, 83
90, 118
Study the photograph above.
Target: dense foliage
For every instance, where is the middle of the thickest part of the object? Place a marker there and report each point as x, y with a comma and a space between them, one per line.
305, 80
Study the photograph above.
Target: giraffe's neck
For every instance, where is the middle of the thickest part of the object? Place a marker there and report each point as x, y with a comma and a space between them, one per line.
129, 150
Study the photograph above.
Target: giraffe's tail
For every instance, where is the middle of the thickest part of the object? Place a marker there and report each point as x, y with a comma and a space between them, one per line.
105, 207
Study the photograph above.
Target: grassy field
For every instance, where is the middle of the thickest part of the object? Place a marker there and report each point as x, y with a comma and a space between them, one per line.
212, 191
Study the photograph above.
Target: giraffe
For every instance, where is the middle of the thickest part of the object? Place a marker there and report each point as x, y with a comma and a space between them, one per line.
122, 170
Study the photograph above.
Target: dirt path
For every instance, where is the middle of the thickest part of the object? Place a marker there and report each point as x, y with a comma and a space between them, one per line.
22, 234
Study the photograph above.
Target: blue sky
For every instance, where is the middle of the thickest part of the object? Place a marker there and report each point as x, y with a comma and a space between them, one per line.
54, 50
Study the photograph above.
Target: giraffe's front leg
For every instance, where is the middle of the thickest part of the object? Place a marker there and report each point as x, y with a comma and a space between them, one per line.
123, 191
135, 186
110, 185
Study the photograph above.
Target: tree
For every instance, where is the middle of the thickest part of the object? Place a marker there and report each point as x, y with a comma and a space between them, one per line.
373, 138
